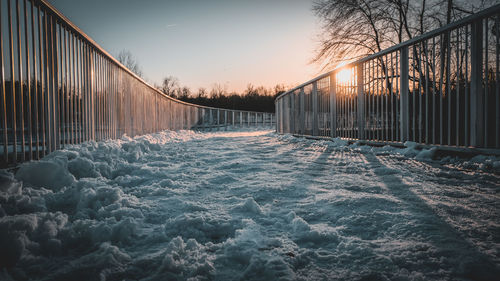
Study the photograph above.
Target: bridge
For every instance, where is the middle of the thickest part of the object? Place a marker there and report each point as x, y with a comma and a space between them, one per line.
386, 168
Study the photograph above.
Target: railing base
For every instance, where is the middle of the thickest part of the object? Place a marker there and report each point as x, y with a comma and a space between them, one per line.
441, 150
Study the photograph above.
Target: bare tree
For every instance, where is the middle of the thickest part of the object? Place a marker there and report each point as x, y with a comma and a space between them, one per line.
202, 93
356, 28
126, 58
217, 90
170, 85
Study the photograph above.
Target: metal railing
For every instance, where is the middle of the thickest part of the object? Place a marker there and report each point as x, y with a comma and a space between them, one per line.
59, 87
440, 88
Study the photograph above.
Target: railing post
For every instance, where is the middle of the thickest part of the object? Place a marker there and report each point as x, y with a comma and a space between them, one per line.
333, 107
404, 100
218, 119
315, 127
276, 113
210, 118
203, 118
282, 115
361, 101
292, 112
233, 118
302, 110
476, 88
225, 120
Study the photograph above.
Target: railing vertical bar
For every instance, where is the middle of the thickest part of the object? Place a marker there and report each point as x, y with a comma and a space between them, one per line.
3, 102
380, 131
96, 105
467, 94
55, 83
477, 98
90, 91
314, 108
333, 105
43, 84
100, 94
68, 72
21, 82
35, 82
65, 84
74, 88
404, 64
426, 89
28, 81
100, 99
60, 88
110, 105
434, 93
291, 113
71, 83
442, 63
50, 82
385, 92
485, 108
350, 105
391, 93
13, 84
448, 86
345, 96
343, 108
76, 72
352, 95
414, 97
457, 91
361, 100
420, 93
71, 96
397, 95
497, 81
104, 104
302, 109
373, 110
82, 85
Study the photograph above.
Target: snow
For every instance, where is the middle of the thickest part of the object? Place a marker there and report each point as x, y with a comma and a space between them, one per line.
249, 205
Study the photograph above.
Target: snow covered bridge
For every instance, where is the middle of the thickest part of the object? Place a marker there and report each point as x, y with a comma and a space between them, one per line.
123, 190
249, 205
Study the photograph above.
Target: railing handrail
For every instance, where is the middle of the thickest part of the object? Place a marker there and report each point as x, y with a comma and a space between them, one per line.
467, 20
89, 40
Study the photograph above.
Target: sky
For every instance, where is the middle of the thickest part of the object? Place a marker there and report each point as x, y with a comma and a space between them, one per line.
230, 42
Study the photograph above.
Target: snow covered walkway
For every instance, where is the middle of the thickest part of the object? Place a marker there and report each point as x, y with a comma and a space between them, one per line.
248, 205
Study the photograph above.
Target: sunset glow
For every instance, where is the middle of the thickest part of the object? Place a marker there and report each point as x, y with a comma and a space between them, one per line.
345, 76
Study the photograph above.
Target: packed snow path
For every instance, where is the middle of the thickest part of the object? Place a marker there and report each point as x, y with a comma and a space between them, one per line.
249, 205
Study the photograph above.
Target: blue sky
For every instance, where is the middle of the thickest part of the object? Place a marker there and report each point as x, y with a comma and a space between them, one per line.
231, 42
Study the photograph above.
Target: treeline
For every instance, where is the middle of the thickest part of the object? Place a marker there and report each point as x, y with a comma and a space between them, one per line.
252, 98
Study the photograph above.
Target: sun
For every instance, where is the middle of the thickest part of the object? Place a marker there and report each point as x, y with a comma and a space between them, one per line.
345, 75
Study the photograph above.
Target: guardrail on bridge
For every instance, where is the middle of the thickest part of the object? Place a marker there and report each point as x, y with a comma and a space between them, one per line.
440, 88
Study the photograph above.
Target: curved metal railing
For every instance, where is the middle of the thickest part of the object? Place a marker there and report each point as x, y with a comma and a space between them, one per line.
440, 88
59, 87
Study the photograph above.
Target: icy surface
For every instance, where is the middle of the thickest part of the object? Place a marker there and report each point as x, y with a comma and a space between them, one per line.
249, 206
